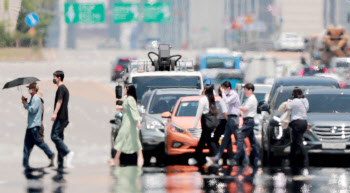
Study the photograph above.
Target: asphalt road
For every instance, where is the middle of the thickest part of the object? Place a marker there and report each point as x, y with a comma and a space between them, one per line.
91, 107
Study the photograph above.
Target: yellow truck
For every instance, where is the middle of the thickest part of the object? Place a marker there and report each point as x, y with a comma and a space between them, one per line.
333, 42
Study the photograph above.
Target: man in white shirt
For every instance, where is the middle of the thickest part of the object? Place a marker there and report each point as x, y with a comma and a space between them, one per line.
248, 109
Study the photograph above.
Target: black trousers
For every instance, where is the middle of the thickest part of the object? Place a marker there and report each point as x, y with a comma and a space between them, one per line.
57, 137
205, 139
247, 131
298, 129
33, 138
220, 129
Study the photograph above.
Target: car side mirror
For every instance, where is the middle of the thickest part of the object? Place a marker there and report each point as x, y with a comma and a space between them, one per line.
112, 121
259, 105
265, 107
166, 114
119, 91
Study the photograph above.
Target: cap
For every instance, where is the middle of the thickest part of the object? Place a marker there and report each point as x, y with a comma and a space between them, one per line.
32, 85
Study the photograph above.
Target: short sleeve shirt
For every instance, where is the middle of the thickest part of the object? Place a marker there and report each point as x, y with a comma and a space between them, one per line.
251, 104
62, 93
299, 108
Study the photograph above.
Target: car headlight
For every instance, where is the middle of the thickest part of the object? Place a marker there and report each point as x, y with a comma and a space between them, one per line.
176, 128
309, 126
154, 125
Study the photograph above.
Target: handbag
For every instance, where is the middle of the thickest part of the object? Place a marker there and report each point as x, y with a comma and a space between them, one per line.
209, 121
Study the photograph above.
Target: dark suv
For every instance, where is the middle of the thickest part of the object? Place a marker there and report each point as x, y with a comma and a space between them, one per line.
275, 141
328, 121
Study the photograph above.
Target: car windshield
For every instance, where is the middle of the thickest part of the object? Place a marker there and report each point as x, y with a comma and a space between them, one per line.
310, 72
142, 84
259, 97
189, 108
328, 103
145, 99
123, 63
165, 102
342, 65
282, 97
220, 63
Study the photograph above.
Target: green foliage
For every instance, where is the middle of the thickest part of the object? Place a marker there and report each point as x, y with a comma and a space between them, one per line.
6, 5
6, 40
46, 11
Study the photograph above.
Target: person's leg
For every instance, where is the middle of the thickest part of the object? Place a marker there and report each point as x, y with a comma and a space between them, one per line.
234, 130
28, 146
211, 144
140, 158
41, 132
240, 142
117, 159
37, 140
199, 149
301, 128
293, 147
254, 145
220, 129
57, 137
226, 141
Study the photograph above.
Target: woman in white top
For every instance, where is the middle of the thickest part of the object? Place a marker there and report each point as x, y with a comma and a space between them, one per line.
299, 107
206, 105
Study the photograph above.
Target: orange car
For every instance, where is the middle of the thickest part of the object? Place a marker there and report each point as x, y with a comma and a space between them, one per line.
181, 137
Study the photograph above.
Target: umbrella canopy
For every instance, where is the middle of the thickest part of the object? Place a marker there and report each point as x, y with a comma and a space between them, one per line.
20, 81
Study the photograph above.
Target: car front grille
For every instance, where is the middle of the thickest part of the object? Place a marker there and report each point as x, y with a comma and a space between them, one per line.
332, 133
196, 133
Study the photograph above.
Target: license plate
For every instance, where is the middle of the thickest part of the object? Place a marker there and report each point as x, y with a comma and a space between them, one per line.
333, 145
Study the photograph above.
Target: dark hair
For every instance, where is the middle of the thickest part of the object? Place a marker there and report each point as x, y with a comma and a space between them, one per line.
298, 93
209, 92
131, 90
219, 92
226, 84
59, 74
249, 86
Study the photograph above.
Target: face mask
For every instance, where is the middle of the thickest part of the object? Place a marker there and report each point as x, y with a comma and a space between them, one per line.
54, 81
226, 92
30, 91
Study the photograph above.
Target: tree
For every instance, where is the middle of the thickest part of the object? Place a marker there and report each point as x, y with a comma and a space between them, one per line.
46, 11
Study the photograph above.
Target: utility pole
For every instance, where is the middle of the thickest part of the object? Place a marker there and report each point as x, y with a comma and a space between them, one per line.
62, 44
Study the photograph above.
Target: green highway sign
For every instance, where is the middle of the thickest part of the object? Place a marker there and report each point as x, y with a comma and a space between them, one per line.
126, 12
84, 13
157, 12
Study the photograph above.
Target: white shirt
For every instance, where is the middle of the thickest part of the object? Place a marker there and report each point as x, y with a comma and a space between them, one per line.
251, 104
203, 108
222, 109
299, 108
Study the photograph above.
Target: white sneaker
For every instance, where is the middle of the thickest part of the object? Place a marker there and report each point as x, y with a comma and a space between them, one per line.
192, 161
69, 158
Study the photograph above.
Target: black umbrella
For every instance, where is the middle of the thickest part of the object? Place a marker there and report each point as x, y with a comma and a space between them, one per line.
20, 81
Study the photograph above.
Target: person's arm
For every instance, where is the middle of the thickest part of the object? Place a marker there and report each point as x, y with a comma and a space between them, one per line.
135, 115
34, 106
57, 109
231, 99
290, 105
225, 115
223, 109
199, 113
